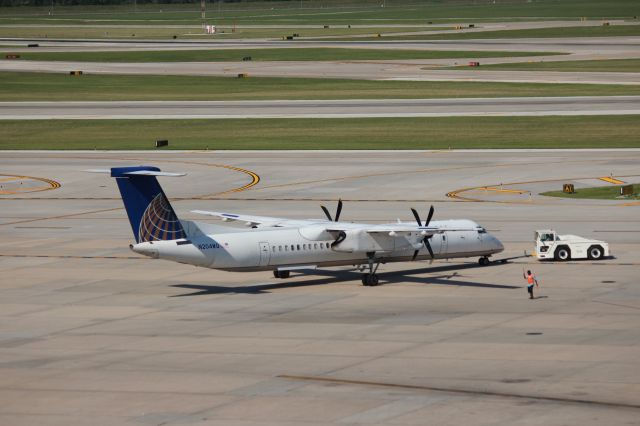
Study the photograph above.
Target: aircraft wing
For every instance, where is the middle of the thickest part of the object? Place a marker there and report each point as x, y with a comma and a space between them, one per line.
391, 230
250, 220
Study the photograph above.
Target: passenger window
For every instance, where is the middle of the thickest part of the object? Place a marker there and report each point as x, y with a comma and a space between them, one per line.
279, 248
315, 246
293, 248
444, 237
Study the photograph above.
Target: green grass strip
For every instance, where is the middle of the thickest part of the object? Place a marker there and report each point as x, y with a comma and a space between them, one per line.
611, 65
62, 87
293, 54
339, 11
555, 32
596, 193
133, 32
351, 133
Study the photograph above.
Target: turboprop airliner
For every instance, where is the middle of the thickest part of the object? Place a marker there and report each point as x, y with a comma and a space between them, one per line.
285, 245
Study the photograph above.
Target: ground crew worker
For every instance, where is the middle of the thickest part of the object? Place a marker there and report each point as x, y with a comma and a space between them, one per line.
531, 280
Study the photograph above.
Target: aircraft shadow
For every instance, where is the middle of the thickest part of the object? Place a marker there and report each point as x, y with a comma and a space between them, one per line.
453, 279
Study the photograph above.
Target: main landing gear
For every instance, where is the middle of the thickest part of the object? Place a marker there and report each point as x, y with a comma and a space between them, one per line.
371, 279
281, 274
484, 261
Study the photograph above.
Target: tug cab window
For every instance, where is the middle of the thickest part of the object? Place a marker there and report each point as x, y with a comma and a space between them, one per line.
546, 237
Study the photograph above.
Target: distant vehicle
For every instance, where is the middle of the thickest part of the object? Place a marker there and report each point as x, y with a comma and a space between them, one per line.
550, 245
285, 245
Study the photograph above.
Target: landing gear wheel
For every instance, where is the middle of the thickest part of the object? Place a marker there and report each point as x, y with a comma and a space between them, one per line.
281, 274
370, 280
483, 261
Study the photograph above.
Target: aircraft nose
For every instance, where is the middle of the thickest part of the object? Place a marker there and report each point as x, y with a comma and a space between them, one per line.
497, 244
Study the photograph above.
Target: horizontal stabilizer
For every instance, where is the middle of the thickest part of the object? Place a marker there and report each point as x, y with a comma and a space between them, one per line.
154, 173
138, 172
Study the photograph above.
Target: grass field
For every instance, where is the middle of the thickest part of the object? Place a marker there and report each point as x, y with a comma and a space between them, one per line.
596, 193
611, 65
331, 11
288, 54
62, 87
190, 32
364, 133
554, 32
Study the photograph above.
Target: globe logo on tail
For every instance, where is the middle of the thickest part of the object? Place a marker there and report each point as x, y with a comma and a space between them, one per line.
159, 222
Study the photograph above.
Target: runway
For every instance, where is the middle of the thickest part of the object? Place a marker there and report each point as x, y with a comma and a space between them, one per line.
88, 330
526, 106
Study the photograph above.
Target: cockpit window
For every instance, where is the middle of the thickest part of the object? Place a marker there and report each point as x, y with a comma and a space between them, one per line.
482, 231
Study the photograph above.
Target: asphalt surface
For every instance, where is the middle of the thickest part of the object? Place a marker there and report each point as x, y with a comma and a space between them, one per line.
582, 105
92, 333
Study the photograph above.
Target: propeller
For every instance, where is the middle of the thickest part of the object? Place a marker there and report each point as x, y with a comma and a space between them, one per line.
341, 237
425, 240
338, 211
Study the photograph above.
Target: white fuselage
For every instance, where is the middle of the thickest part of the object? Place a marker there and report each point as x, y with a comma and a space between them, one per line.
271, 248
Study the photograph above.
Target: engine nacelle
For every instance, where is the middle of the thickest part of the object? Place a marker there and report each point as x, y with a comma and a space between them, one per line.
362, 241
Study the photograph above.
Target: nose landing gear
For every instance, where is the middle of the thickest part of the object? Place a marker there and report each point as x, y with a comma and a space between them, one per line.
484, 261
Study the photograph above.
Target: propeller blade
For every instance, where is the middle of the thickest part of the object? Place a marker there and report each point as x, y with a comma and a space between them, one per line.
431, 210
415, 214
339, 210
415, 254
341, 237
326, 212
426, 243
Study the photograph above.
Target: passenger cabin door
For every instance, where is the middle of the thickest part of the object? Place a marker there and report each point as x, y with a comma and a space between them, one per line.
265, 254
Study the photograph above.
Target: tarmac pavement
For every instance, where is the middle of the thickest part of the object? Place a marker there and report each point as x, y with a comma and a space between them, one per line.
91, 332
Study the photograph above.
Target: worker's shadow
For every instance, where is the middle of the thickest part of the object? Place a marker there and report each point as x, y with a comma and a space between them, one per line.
348, 276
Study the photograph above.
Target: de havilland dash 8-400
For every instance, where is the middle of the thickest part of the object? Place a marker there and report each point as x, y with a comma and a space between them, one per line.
285, 245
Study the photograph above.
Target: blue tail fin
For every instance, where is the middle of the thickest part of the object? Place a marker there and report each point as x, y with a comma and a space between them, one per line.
150, 213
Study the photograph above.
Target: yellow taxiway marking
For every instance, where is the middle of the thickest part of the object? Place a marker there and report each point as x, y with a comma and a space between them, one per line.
9, 179
25, 189
612, 180
637, 203
510, 191
457, 193
51, 184
255, 179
